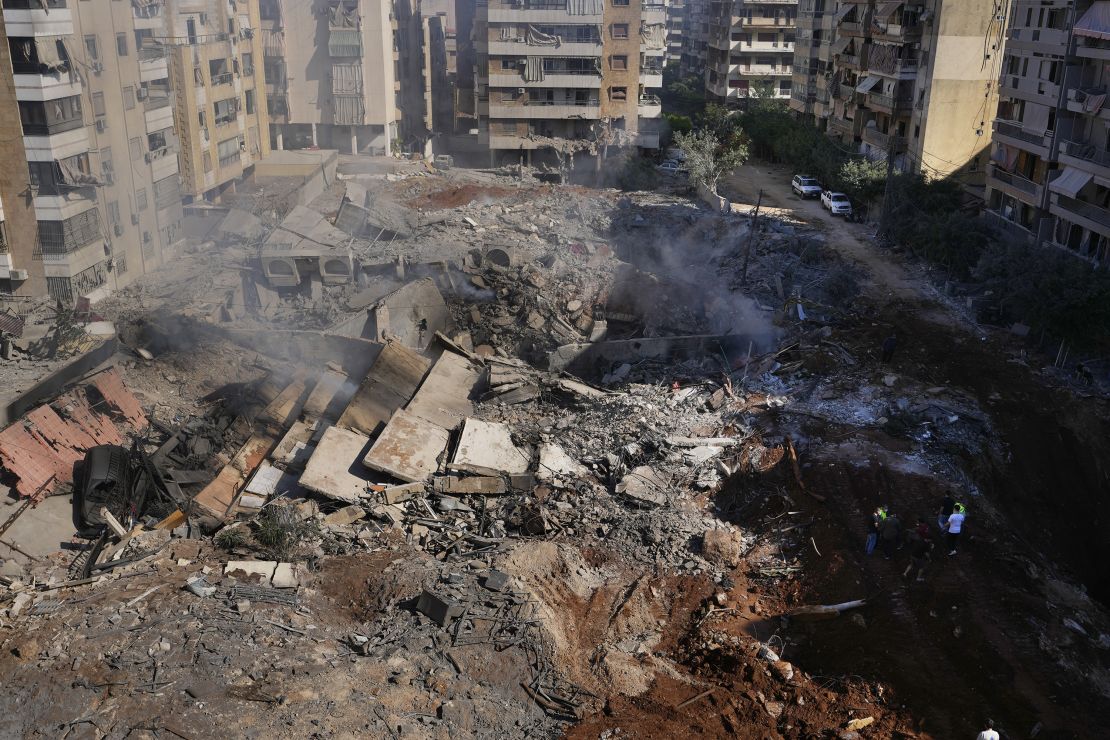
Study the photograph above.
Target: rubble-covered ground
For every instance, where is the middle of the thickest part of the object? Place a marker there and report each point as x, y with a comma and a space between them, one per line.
680, 513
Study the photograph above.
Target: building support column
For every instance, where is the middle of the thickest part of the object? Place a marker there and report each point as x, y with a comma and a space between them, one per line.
314, 135
354, 140
280, 140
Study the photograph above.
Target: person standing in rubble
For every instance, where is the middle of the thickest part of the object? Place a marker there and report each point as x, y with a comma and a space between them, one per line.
889, 345
947, 505
877, 518
890, 531
988, 732
954, 527
921, 545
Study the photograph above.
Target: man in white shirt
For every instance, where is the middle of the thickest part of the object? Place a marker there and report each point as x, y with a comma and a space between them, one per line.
988, 732
954, 527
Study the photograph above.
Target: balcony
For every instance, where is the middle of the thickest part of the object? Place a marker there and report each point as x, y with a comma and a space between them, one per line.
32, 18
1048, 41
649, 106
591, 80
154, 101
148, 16
889, 103
879, 140
852, 29
158, 118
152, 65
1087, 215
535, 109
539, 11
56, 146
1045, 92
844, 126
651, 78
1015, 185
1011, 132
1086, 100
902, 69
1086, 157
852, 61
568, 49
900, 34
1089, 48
222, 79
761, 22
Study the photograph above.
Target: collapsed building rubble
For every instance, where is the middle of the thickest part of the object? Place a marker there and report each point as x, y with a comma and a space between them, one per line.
548, 480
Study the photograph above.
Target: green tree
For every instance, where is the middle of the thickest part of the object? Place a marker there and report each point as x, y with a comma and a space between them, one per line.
861, 179
707, 157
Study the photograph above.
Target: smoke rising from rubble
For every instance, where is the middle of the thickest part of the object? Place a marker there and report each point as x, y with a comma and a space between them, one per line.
675, 247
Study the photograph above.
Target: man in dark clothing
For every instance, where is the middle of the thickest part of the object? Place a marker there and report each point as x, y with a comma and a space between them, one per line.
873, 529
947, 505
889, 532
921, 545
889, 345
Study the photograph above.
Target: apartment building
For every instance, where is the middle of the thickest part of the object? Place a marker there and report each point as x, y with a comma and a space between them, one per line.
695, 39
427, 70
1049, 178
751, 50
561, 72
331, 74
214, 50
676, 17
809, 92
917, 81
99, 143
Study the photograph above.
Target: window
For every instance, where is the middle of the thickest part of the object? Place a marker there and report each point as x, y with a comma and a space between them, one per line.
92, 48
135, 148
618, 61
98, 103
618, 93
249, 95
113, 212
140, 199
620, 3
228, 151
509, 64
225, 110
202, 119
158, 141
619, 30
766, 38
121, 44
248, 63
129, 97
765, 61
785, 86
106, 167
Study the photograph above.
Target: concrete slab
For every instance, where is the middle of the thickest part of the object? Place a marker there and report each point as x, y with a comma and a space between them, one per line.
327, 387
645, 485
39, 531
444, 396
485, 446
555, 463
389, 385
334, 469
412, 314
408, 449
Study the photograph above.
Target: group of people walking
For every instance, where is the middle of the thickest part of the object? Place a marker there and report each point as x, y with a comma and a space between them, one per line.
885, 531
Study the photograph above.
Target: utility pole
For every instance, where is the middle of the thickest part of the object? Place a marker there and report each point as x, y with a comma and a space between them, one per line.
751, 237
888, 190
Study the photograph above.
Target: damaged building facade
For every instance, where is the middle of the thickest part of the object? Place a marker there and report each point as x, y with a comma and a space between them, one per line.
1050, 164
569, 75
99, 143
917, 82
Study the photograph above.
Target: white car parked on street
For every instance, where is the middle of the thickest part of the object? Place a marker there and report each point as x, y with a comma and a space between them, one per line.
837, 203
805, 186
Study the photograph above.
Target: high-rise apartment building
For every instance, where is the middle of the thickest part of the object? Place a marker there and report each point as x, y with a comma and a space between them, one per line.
331, 72
915, 80
751, 50
695, 39
214, 48
676, 17
558, 72
1049, 177
427, 69
99, 143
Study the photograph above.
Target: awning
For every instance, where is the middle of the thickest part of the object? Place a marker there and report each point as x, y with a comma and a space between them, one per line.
844, 11
1070, 182
885, 10
1035, 118
841, 44
868, 82
1095, 23
46, 47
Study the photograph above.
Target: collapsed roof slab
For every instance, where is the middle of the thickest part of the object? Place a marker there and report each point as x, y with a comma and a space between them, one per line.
444, 396
486, 448
389, 385
335, 470
408, 448
412, 314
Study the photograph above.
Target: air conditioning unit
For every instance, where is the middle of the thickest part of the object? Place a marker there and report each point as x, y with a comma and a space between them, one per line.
146, 237
142, 93
118, 229
17, 276
521, 91
97, 67
101, 125
134, 219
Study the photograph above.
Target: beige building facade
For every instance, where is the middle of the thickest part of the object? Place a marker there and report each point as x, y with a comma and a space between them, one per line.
916, 81
214, 48
565, 74
99, 141
331, 74
750, 50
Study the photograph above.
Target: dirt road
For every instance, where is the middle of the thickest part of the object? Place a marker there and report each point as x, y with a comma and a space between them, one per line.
889, 279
